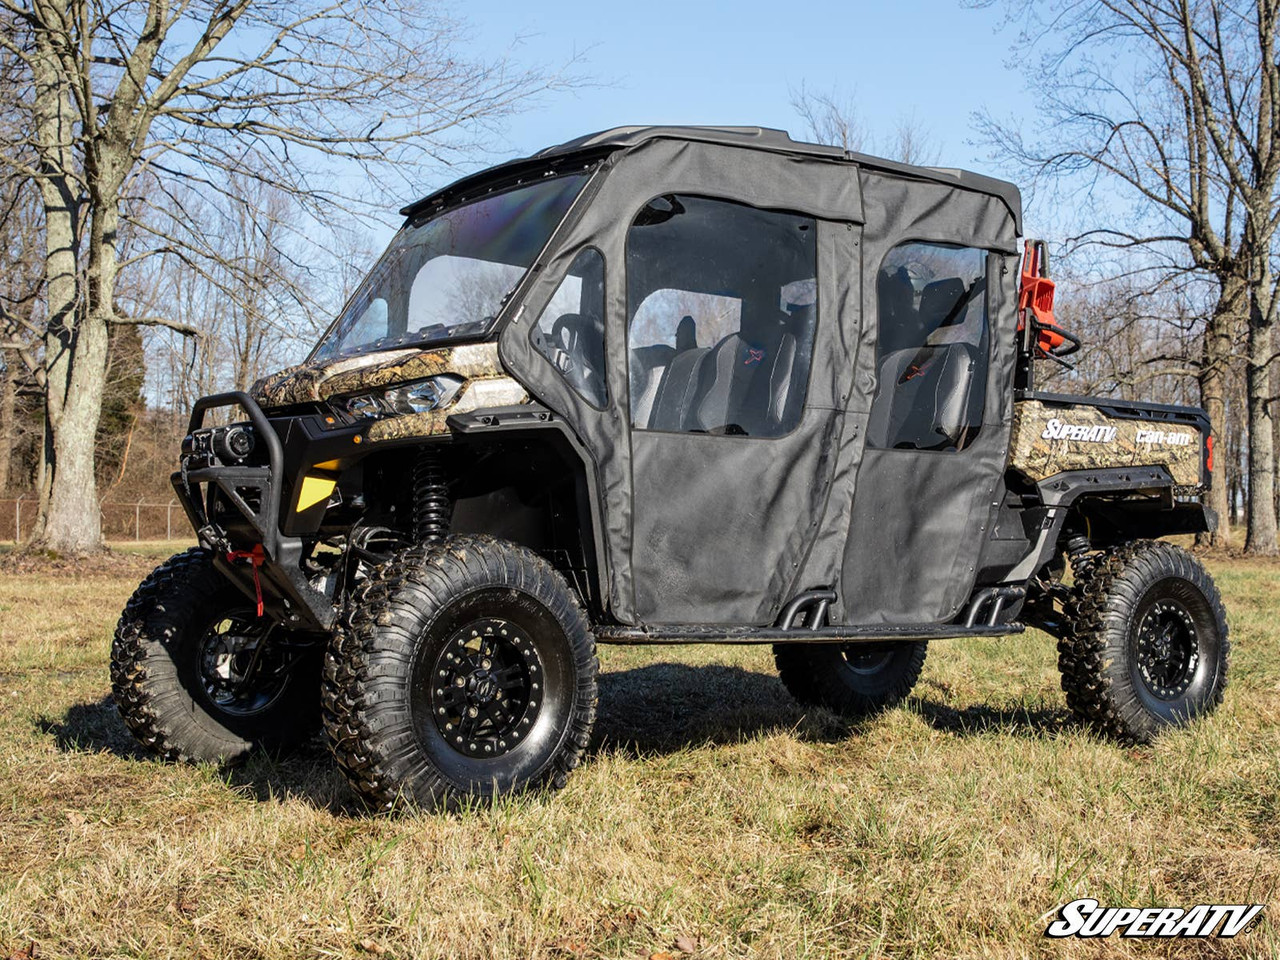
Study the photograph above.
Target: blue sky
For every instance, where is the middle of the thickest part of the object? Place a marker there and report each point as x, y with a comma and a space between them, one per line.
733, 63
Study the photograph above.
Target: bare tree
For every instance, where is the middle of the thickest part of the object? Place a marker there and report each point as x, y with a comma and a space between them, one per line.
1172, 105
126, 102
832, 116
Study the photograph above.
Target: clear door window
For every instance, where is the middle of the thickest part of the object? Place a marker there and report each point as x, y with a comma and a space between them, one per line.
933, 346
723, 307
570, 332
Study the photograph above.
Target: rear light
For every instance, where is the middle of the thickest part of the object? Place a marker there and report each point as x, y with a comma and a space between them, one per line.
1208, 457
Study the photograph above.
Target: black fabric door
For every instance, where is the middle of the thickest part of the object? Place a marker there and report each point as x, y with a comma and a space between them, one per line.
709, 506
722, 309
936, 440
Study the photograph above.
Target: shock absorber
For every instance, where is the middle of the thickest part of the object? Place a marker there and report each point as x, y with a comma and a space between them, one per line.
432, 507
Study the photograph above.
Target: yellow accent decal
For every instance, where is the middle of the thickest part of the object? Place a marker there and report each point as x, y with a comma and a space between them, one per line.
314, 490
327, 465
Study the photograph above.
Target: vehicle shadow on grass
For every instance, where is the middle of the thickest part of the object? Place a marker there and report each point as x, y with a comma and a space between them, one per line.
665, 707
978, 719
662, 708
307, 772
653, 710
92, 728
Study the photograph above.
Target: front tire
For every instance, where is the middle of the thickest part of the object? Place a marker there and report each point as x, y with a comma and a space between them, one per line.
466, 669
1148, 647
855, 680
197, 676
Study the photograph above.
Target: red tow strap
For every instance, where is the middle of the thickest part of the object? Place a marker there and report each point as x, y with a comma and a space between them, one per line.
257, 556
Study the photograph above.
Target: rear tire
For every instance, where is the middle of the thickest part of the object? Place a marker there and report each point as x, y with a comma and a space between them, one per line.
854, 680
465, 669
182, 651
1148, 647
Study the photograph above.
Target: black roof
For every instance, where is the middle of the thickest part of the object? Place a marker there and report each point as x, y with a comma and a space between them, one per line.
593, 145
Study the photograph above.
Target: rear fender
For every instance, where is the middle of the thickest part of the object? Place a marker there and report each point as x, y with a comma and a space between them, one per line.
1113, 505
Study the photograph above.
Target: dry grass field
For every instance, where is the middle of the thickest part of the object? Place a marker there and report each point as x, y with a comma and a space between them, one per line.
713, 817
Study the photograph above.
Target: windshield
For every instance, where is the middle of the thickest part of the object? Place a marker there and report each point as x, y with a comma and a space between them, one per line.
449, 276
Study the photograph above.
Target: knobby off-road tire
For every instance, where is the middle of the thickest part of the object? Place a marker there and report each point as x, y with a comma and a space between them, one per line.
182, 625
854, 680
465, 669
1148, 644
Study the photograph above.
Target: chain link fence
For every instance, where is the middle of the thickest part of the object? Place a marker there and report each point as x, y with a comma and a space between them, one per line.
141, 520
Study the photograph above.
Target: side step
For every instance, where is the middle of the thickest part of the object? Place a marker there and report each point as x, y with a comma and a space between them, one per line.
877, 633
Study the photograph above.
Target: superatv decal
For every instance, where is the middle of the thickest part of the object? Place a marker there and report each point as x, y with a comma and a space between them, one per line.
1057, 430
1053, 438
1088, 918
310, 382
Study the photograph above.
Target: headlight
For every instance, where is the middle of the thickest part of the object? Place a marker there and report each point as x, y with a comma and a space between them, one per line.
363, 407
420, 397
424, 396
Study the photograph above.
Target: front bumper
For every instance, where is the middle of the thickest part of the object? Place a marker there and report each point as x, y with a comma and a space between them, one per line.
257, 493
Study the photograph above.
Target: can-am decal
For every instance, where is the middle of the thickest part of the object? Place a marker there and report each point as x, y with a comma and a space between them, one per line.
1085, 433
1087, 918
1164, 438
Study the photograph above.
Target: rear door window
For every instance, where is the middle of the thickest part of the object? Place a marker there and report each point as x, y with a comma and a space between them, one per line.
932, 348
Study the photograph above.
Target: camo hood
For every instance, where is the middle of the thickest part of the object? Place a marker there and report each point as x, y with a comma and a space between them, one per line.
318, 380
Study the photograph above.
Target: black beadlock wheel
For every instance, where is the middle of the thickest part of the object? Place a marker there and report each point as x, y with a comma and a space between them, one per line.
854, 680
196, 675
464, 669
1148, 647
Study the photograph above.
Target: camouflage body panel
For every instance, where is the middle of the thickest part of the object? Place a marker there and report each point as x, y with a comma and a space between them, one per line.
1050, 438
488, 385
497, 392
312, 382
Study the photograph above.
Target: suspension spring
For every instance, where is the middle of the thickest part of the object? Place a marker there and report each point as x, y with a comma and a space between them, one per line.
1078, 549
432, 506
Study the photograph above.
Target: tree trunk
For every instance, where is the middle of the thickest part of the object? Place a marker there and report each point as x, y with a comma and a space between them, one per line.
8, 428
73, 524
1260, 537
1219, 339
59, 190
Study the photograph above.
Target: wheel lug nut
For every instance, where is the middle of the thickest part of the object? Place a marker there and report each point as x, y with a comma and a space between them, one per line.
486, 664
459, 682
472, 712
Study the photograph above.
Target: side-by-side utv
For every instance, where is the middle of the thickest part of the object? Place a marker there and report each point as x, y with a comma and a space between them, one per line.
666, 385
